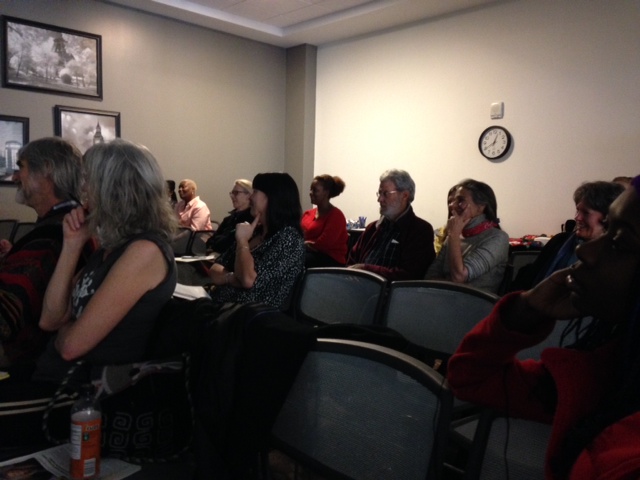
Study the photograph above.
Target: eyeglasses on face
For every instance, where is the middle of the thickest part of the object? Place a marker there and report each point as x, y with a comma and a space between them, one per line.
385, 194
235, 193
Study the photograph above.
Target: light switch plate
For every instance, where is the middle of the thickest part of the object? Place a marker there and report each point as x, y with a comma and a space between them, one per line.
497, 110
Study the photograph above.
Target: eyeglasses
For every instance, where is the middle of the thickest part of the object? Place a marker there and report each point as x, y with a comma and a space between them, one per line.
385, 194
235, 193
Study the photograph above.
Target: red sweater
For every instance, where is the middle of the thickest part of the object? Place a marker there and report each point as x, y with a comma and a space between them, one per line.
485, 363
329, 233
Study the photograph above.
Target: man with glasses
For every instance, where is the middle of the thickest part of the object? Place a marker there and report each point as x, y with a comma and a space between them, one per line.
399, 246
225, 234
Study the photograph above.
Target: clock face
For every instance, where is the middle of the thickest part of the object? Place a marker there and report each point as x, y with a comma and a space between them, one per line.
494, 142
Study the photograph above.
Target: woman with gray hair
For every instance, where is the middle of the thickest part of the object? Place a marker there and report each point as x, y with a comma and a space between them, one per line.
476, 249
105, 314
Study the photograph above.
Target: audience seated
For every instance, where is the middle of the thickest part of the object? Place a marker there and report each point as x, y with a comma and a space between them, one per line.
399, 246
48, 181
224, 236
106, 316
589, 391
192, 212
268, 254
325, 227
441, 233
476, 250
592, 202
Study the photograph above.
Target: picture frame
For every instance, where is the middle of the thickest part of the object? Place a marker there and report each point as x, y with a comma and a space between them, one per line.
14, 134
85, 126
51, 59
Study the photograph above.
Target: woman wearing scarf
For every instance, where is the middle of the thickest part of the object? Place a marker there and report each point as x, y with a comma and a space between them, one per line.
476, 249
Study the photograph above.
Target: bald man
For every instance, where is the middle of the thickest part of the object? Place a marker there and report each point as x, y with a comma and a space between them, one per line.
192, 212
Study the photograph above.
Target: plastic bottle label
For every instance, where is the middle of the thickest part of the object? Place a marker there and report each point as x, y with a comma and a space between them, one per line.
85, 449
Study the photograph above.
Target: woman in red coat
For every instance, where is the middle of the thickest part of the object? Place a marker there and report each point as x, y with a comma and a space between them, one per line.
325, 227
590, 391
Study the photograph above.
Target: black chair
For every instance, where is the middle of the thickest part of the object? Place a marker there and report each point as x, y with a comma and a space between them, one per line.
182, 242
21, 229
517, 260
198, 244
362, 411
6, 228
339, 295
435, 314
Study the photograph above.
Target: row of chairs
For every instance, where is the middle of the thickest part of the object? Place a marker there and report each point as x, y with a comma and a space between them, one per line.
13, 230
360, 410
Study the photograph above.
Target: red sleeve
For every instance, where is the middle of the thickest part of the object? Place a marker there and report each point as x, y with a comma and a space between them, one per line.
333, 238
485, 370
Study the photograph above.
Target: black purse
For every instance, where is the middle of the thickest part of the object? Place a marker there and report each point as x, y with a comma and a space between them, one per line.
147, 409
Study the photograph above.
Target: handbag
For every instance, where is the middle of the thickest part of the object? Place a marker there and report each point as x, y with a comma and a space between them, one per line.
147, 409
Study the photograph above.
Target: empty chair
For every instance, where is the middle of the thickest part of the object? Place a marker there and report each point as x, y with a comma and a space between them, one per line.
6, 228
435, 314
361, 411
20, 230
339, 295
182, 242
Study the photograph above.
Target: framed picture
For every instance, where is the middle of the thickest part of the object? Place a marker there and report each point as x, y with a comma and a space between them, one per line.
51, 59
83, 126
14, 133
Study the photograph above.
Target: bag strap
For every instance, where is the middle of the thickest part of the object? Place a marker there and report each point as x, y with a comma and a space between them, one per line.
62, 390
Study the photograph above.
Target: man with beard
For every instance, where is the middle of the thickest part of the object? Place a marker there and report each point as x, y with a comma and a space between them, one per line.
48, 181
399, 246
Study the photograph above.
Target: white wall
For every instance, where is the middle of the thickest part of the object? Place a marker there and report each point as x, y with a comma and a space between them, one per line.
418, 98
210, 106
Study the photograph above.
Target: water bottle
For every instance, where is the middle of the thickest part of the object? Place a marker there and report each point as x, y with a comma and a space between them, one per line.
86, 419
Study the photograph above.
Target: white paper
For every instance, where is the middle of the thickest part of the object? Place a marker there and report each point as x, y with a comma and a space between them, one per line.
55, 460
189, 292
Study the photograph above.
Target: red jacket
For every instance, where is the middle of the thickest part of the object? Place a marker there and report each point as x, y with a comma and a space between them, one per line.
485, 363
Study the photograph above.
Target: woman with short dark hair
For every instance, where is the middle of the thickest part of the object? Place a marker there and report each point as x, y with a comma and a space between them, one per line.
268, 254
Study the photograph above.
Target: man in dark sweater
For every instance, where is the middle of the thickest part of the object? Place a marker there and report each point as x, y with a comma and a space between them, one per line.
399, 246
48, 180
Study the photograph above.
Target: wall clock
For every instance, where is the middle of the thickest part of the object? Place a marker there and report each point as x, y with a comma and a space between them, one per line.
494, 142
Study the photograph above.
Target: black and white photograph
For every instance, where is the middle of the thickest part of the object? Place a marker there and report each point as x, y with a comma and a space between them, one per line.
14, 133
85, 127
51, 59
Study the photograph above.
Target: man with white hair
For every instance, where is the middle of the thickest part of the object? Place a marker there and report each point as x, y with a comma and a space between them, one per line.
399, 246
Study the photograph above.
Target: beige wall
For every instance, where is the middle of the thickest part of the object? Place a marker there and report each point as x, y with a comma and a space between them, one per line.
418, 98
210, 106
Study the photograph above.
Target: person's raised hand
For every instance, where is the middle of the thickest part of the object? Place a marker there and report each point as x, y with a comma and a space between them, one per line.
244, 231
552, 297
75, 227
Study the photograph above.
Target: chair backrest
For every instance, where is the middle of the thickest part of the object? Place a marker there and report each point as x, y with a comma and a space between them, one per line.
6, 228
363, 411
504, 447
517, 260
21, 229
198, 245
339, 295
435, 314
182, 242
